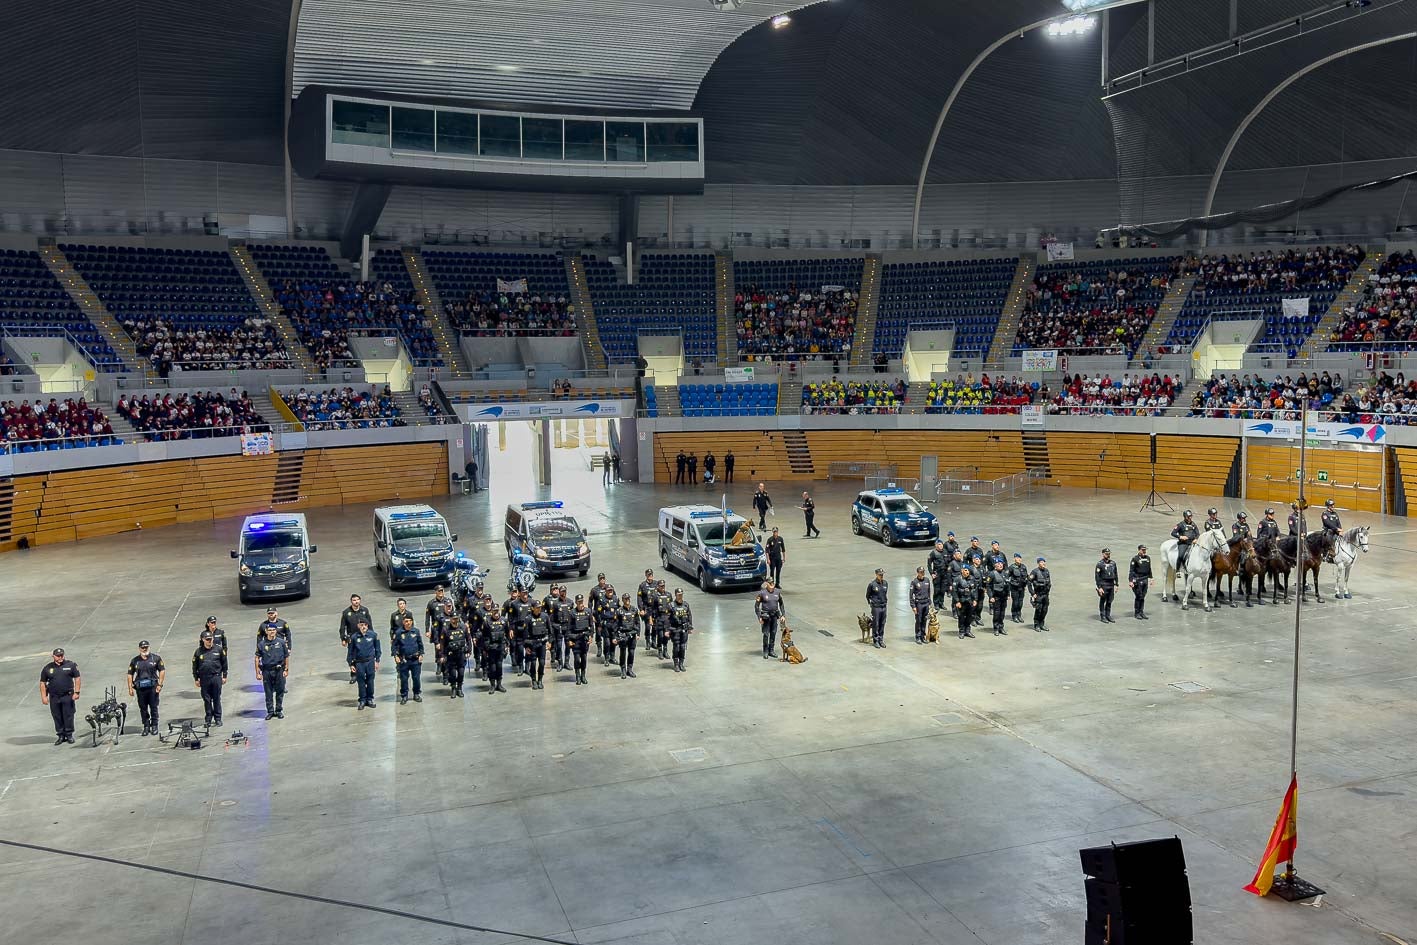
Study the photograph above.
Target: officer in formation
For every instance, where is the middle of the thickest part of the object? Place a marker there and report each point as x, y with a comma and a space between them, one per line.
1106, 575
1294, 518
1212, 521
457, 647
1185, 534
146, 674
272, 664
1268, 527
962, 595
209, 669
59, 686
662, 605
493, 644
626, 622
768, 607
1138, 579
644, 598
433, 610
1240, 529
363, 653
995, 555
1040, 585
536, 643
607, 622
1331, 522
761, 503
218, 634
593, 605
517, 611
579, 630
681, 463
406, 645
937, 565
273, 619
1017, 573
560, 629
349, 622
951, 545
920, 602
396, 617
681, 624
777, 551
877, 593
997, 588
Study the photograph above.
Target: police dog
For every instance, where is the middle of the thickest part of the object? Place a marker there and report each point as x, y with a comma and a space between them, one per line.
865, 622
790, 653
932, 630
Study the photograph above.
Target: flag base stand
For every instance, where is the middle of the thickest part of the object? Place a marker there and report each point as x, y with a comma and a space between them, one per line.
1289, 887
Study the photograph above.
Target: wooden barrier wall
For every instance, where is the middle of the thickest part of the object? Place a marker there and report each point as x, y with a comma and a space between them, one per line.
1355, 477
87, 503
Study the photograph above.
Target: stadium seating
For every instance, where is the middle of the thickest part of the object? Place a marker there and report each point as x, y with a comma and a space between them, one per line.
31, 427
728, 400
345, 408
784, 310
412, 325
651, 401
982, 396
1094, 306
31, 300
198, 415
321, 301
1244, 396
965, 294
1385, 315
1127, 395
853, 397
296, 264
467, 283
673, 294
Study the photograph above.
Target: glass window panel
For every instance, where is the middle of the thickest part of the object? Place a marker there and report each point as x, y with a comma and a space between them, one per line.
413, 129
541, 138
457, 133
358, 123
672, 141
585, 140
501, 136
626, 140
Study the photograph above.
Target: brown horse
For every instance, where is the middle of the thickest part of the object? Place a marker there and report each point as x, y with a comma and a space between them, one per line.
1239, 560
1273, 564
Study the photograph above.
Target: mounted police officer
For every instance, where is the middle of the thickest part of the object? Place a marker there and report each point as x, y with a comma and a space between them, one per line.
1185, 534
1331, 522
1268, 527
1294, 518
363, 652
407, 649
1017, 573
681, 624
962, 598
920, 603
1138, 578
1212, 521
1240, 529
937, 565
997, 587
1040, 585
1106, 576
876, 594
768, 606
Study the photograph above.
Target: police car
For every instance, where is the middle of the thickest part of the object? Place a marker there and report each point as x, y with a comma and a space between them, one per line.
894, 516
550, 534
413, 545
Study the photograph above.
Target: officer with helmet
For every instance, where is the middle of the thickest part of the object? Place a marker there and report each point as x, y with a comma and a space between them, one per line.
1331, 522
1185, 534
1241, 529
1212, 521
1268, 527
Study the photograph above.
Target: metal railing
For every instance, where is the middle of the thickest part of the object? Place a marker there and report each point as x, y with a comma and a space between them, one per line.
1015, 486
107, 365
862, 469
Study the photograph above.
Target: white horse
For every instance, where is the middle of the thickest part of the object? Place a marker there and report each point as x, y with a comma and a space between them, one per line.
1345, 552
1197, 567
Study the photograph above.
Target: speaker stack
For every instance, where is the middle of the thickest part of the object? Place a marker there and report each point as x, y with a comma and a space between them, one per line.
1137, 894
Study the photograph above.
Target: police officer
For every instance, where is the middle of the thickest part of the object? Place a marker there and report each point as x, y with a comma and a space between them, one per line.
681, 462
681, 624
146, 674
997, 587
396, 617
937, 564
209, 668
494, 648
1040, 585
978, 572
1106, 575
995, 555
728, 461
877, 593
407, 649
273, 666
560, 624
363, 652
626, 629
578, 634
457, 643
1212, 521
1331, 522
662, 604
218, 634
1268, 527
273, 618
1240, 530
517, 610
433, 610
962, 597
951, 546
777, 551
644, 598
1138, 579
593, 605
953, 570
920, 603
761, 503
693, 476
809, 512
768, 606
1017, 573
607, 623
59, 689
438, 633
536, 641
1185, 534
1294, 518
349, 622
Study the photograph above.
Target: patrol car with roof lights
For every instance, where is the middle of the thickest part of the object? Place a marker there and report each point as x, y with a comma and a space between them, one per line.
714, 546
273, 551
550, 534
894, 516
412, 545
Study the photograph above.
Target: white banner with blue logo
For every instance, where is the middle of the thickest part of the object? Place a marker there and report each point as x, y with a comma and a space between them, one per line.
1333, 432
556, 410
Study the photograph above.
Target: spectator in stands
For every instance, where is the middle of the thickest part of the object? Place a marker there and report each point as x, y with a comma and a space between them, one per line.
853, 397
1387, 313
1321, 267
192, 416
1126, 396
429, 405
513, 313
7, 367
327, 314
253, 346
54, 424
797, 324
1280, 399
346, 409
1073, 311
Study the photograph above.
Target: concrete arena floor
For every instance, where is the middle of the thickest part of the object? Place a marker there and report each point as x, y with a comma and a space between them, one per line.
911, 795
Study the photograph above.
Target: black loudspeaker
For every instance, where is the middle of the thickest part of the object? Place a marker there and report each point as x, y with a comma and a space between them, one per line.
1153, 449
1137, 893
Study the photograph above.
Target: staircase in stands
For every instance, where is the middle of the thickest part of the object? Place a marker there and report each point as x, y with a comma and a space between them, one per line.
667, 400
863, 343
1349, 296
585, 314
444, 334
121, 426
1007, 330
1160, 328
260, 290
261, 401
1035, 452
727, 323
915, 396
410, 410
799, 454
93, 309
789, 394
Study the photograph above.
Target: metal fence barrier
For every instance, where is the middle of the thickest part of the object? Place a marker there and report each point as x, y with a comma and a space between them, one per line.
1019, 485
881, 482
860, 470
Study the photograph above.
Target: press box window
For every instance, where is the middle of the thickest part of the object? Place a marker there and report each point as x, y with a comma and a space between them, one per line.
541, 138
359, 123
413, 129
626, 140
585, 140
457, 133
501, 136
672, 141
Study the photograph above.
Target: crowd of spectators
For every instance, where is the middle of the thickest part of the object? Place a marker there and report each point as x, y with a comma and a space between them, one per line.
1252, 397
1124, 396
344, 409
795, 325
429, 403
75, 421
192, 416
853, 397
1387, 399
513, 313
253, 346
1292, 270
1075, 311
1387, 313
327, 314
984, 395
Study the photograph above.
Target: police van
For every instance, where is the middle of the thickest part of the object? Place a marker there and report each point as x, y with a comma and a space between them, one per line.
273, 551
550, 534
412, 545
894, 516
715, 547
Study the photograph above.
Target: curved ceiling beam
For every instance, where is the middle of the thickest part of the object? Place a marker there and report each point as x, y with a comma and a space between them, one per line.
292, 31
1264, 103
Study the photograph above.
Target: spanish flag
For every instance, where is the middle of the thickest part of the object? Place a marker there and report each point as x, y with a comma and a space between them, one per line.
1282, 841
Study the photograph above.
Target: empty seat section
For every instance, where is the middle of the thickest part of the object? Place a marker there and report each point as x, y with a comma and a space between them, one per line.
967, 295
673, 294
796, 309
33, 303
728, 400
321, 301
401, 311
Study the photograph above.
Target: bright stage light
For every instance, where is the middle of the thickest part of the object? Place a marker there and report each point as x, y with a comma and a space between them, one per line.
1072, 26
781, 20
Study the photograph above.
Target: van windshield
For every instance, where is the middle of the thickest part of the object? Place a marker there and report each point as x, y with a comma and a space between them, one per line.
559, 528
271, 541
415, 530
740, 533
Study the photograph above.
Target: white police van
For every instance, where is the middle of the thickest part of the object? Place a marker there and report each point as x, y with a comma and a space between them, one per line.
550, 534
273, 551
715, 547
412, 545
894, 516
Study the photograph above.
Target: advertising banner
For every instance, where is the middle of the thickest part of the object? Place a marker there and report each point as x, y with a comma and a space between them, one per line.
256, 444
738, 375
562, 409
1046, 360
1333, 432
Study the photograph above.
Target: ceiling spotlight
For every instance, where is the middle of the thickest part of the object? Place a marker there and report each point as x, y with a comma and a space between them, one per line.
723, 6
1072, 26
781, 20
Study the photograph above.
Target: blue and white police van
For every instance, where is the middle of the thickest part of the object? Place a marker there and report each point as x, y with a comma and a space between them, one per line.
273, 557
412, 545
550, 534
714, 546
894, 516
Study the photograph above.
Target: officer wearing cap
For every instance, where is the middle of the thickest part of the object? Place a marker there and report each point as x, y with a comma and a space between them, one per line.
626, 629
272, 662
349, 622
1268, 527
406, 645
578, 634
1138, 578
962, 597
937, 565
877, 593
1017, 573
218, 634
663, 603
1040, 585
433, 610
681, 624
1106, 575
146, 674
59, 689
994, 555
273, 619
777, 553
456, 642
644, 599
209, 667
997, 588
951, 546
920, 603
535, 640
363, 653
768, 607
978, 571
593, 604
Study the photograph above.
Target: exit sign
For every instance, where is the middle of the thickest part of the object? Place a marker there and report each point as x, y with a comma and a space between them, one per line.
1323, 475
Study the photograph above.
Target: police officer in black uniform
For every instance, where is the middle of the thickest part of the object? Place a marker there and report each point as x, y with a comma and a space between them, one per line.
777, 551
1331, 522
1138, 579
1106, 575
626, 629
593, 605
363, 652
877, 593
517, 610
218, 634
1212, 521
349, 622
536, 641
644, 599
1294, 518
662, 604
1268, 527
578, 634
681, 462
937, 565
560, 626
146, 674
1017, 573
607, 624
1185, 534
951, 546
59, 689
681, 624
407, 650
1240, 529
768, 607
920, 603
457, 643
998, 589
809, 512
978, 572
761, 503
273, 618
273, 666
209, 668
433, 610
995, 555
494, 649
962, 596
1040, 585
396, 617
728, 461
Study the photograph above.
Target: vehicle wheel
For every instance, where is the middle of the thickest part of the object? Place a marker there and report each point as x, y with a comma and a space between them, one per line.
888, 537
703, 580
664, 558
584, 571
855, 525
244, 598
389, 575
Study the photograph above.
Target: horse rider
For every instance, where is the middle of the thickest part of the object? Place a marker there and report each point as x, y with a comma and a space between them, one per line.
1185, 534
1212, 521
1294, 518
1268, 527
1240, 531
1331, 524
1138, 577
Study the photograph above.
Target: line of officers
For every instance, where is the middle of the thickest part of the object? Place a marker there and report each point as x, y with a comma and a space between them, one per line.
526, 632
